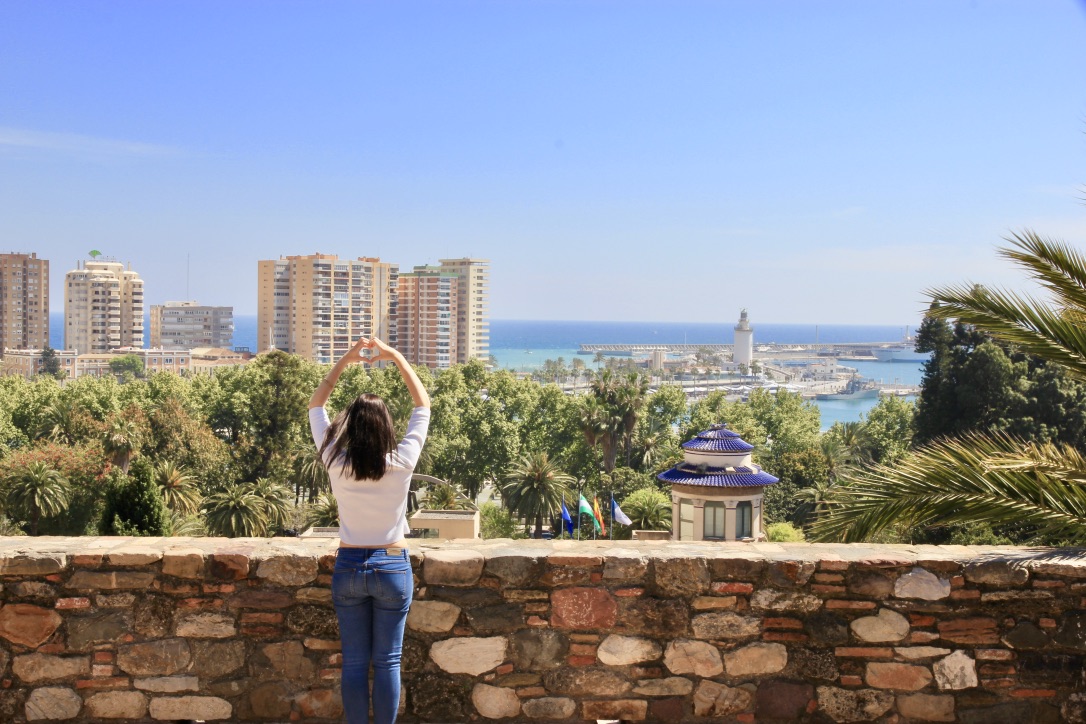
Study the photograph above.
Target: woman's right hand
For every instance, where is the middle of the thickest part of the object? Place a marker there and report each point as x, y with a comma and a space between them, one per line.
379, 351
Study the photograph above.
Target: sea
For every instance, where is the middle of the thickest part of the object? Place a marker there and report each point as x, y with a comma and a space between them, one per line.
524, 345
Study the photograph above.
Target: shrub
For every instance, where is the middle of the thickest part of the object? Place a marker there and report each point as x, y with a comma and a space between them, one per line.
784, 533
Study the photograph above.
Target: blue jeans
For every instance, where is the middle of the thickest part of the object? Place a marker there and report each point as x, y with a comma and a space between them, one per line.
371, 591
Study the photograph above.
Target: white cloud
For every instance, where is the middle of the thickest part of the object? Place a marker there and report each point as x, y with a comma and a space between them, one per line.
77, 144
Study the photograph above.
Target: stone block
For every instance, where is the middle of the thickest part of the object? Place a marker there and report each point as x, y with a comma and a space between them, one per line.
284, 660
539, 649
979, 630
1026, 636
853, 705
452, 567
28, 625
884, 627
33, 668
167, 684
499, 619
549, 707
320, 704
681, 577
956, 671
432, 616
440, 699
693, 657
725, 625
212, 659
759, 659
615, 709
768, 599
923, 584
292, 570
874, 584
206, 625
782, 700
624, 565
229, 566
53, 702
583, 608
915, 653
495, 702
206, 708
662, 618
314, 595
714, 699
133, 556
271, 700
896, 676
515, 567
586, 681
258, 599
154, 658
670, 686
926, 707
32, 564
618, 650
110, 580
33, 589
996, 573
117, 705
183, 563
314, 621
1072, 630
469, 655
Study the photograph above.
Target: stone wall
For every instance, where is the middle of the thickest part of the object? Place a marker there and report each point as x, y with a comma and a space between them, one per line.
125, 629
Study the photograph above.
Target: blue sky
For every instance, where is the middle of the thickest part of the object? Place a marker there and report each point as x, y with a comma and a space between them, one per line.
661, 161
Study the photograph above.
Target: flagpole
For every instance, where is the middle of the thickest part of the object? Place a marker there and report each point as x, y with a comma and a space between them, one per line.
578, 513
612, 512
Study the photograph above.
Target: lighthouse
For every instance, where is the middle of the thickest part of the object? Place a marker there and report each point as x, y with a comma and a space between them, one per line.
743, 348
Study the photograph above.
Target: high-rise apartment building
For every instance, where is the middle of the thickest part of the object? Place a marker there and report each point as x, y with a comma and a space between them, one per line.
427, 316
318, 305
473, 307
24, 302
103, 307
188, 325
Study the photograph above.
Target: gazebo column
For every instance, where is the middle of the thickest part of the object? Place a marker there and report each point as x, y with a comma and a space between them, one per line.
729, 519
699, 519
676, 523
756, 531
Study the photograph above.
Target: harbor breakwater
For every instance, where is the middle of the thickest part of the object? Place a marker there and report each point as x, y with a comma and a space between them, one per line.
116, 629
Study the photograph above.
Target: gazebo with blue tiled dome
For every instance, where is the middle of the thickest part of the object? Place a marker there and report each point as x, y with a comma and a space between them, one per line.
716, 491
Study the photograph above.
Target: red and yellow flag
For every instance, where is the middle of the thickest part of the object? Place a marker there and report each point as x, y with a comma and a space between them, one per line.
598, 515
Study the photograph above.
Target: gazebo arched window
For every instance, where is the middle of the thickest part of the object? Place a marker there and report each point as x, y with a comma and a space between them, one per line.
744, 520
714, 520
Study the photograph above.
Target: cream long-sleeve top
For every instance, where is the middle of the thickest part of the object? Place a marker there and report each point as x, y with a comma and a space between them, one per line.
373, 512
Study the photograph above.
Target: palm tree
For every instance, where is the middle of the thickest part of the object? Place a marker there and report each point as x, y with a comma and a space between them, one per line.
534, 487
179, 489
597, 358
276, 501
817, 498
57, 421
35, 491
235, 512
648, 509
981, 477
120, 442
446, 497
324, 513
630, 401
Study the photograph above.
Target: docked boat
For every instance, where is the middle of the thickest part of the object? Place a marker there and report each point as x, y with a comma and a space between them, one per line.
899, 353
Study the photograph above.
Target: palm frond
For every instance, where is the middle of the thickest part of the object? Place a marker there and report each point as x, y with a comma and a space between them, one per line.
1018, 320
990, 478
1057, 266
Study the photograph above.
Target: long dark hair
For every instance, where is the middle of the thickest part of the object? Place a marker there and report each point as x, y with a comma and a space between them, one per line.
360, 437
